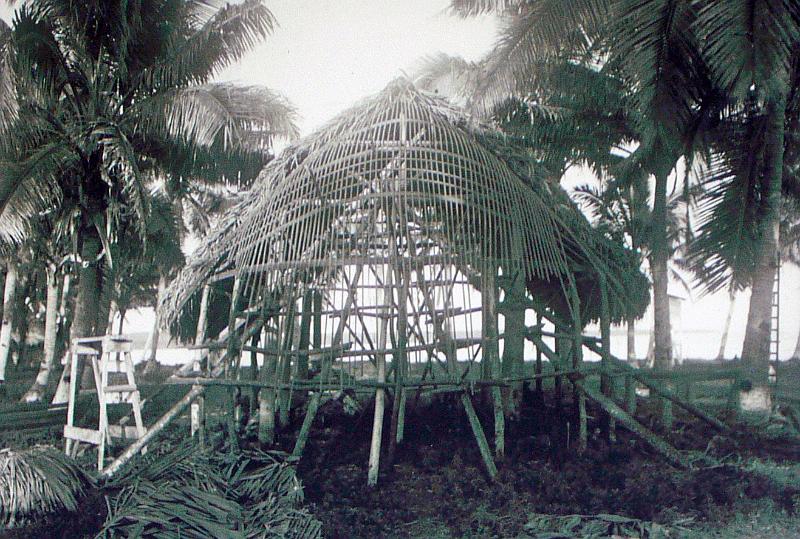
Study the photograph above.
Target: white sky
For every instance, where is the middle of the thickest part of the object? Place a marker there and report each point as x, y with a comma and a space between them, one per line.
327, 54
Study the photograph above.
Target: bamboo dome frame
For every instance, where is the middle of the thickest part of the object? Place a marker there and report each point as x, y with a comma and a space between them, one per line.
388, 213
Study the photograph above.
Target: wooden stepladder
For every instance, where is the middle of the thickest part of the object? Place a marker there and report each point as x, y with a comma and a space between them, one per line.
114, 381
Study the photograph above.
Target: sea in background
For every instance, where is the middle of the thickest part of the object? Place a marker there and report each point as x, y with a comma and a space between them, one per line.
697, 331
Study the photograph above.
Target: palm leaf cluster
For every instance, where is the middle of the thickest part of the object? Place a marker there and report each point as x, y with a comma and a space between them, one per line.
109, 101
186, 492
36, 481
627, 87
111, 95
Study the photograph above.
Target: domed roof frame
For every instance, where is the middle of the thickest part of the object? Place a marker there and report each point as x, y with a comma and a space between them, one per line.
386, 210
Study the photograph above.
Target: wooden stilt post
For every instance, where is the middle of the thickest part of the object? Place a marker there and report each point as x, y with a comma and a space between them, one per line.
513, 309
630, 395
317, 319
197, 410
606, 387
577, 362
313, 403
233, 350
396, 431
380, 393
266, 397
197, 414
254, 373
538, 368
285, 363
562, 349
480, 437
202, 324
491, 352
305, 334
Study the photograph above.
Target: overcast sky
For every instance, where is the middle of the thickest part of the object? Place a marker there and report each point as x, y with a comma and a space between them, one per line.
327, 54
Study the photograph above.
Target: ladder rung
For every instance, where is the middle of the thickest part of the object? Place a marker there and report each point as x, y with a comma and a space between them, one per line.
82, 435
120, 389
118, 431
84, 350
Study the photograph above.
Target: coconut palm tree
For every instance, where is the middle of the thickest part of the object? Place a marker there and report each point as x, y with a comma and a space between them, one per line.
688, 64
49, 244
9, 291
111, 95
602, 36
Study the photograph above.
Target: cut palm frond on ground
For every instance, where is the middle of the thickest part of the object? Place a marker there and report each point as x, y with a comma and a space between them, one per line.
36, 481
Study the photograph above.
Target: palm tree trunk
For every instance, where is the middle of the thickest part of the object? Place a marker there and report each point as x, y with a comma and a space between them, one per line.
87, 303
755, 352
796, 354
34, 394
152, 340
631, 344
723, 343
658, 266
112, 314
8, 317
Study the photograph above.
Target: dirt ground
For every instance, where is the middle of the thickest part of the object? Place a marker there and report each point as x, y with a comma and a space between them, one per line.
437, 487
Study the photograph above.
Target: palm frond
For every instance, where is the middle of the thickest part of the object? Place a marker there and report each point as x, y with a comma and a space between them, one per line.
221, 40
9, 105
30, 187
658, 53
726, 242
185, 492
234, 118
449, 76
541, 31
470, 8
36, 481
748, 42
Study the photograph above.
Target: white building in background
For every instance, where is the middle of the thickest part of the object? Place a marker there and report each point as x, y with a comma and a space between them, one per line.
678, 294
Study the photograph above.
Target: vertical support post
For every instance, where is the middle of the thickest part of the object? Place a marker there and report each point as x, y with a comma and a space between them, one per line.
202, 323
514, 305
197, 414
233, 345
630, 395
197, 408
305, 334
254, 373
72, 389
313, 403
396, 432
317, 300
491, 352
380, 393
562, 349
538, 368
606, 383
577, 363
285, 363
266, 397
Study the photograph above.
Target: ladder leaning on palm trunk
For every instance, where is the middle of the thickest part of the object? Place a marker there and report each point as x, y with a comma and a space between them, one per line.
774, 332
